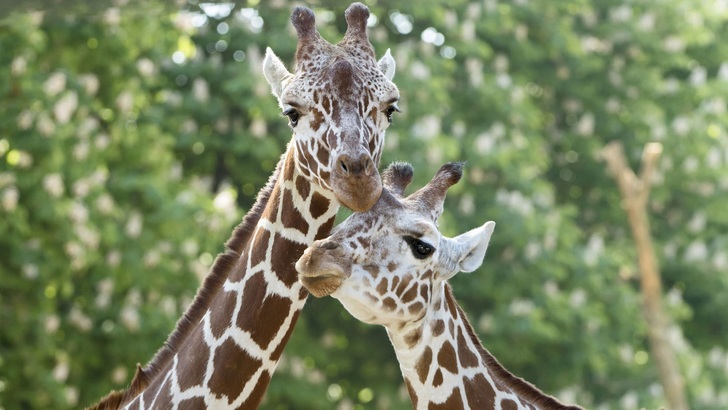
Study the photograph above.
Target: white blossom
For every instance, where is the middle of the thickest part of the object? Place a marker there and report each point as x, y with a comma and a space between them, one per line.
200, 90
105, 203
125, 102
113, 258
521, 307
119, 375
25, 119
104, 289
18, 66
697, 222
65, 107
697, 251
53, 184
79, 319
130, 318
45, 125
134, 225
31, 271
673, 44
585, 126
51, 324
10, 198
62, 369
54, 84
578, 298
146, 67
90, 83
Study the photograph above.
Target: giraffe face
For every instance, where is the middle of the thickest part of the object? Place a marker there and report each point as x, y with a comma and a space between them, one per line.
339, 102
385, 265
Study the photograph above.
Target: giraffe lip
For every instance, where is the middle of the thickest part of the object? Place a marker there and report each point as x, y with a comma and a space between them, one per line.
321, 285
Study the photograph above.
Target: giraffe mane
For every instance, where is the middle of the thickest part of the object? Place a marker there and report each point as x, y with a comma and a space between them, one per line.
211, 285
521, 387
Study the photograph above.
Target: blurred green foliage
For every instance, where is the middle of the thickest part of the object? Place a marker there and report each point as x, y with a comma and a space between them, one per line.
133, 139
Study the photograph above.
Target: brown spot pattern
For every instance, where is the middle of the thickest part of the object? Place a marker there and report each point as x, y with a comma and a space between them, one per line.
410, 294
508, 404
447, 359
290, 216
194, 403
479, 393
438, 327
233, 369
437, 380
423, 364
319, 205
285, 254
467, 357
303, 187
194, 356
412, 394
258, 251
389, 303
221, 316
413, 337
452, 402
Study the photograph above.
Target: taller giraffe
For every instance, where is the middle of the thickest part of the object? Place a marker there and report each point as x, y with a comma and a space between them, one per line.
390, 266
226, 347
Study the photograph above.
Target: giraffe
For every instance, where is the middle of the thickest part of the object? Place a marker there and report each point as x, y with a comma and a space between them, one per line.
225, 348
390, 266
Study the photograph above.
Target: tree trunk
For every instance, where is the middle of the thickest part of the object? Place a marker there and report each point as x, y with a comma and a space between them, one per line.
634, 195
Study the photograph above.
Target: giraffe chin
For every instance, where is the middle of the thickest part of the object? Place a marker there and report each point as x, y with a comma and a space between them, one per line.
321, 285
359, 195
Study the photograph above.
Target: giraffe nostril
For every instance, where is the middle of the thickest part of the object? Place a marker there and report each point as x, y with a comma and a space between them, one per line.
343, 166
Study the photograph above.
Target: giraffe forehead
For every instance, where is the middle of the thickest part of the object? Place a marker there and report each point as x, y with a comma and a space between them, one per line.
339, 78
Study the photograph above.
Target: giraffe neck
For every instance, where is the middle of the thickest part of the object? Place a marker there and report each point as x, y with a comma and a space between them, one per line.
445, 366
228, 353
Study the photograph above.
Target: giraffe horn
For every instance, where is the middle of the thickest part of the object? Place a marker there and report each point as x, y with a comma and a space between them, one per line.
304, 21
432, 195
356, 27
397, 176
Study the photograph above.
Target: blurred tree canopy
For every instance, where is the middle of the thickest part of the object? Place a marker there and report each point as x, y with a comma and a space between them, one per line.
134, 137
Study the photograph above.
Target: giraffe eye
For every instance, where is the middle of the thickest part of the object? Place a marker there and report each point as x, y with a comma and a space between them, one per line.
420, 250
390, 110
292, 115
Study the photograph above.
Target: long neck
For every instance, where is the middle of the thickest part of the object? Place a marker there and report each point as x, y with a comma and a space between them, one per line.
444, 365
226, 354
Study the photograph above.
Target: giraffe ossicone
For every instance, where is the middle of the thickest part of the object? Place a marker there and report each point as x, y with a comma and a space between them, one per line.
390, 266
224, 350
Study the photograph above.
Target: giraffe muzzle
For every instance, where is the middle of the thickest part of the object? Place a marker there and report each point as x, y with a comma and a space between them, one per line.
322, 268
356, 182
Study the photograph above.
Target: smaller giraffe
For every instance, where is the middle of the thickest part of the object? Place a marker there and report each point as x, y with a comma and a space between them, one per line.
390, 266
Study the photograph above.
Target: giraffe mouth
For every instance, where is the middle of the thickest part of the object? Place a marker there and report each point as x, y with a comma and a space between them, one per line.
322, 284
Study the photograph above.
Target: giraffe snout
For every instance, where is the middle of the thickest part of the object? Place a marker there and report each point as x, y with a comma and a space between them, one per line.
349, 166
355, 180
323, 268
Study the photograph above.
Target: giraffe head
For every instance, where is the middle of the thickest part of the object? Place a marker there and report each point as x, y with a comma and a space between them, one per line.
339, 101
385, 265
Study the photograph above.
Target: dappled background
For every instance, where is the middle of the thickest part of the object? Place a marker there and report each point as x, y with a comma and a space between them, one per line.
134, 136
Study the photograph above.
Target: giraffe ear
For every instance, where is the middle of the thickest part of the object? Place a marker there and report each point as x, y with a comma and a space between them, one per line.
473, 245
275, 72
387, 65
